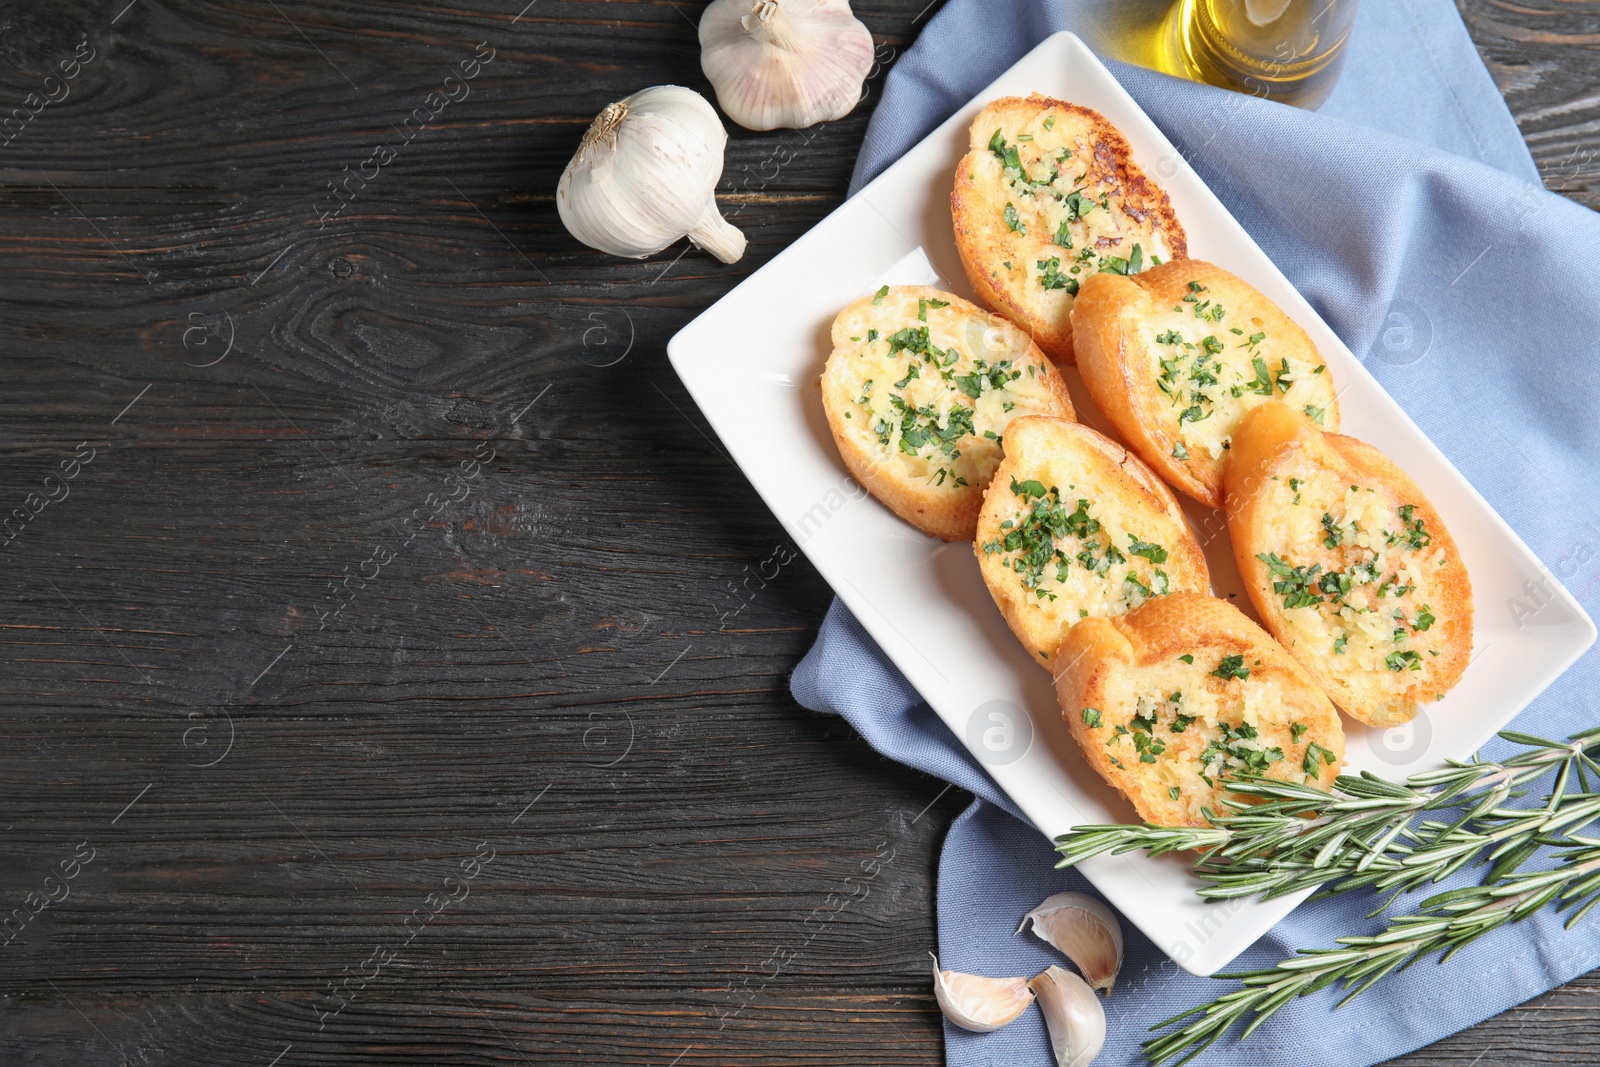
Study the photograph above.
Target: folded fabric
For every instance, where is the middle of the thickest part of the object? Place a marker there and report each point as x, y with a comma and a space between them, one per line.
1409, 213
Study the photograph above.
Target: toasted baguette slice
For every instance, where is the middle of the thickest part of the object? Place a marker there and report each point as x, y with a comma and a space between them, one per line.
1348, 565
1047, 195
1074, 526
1176, 355
1184, 692
919, 391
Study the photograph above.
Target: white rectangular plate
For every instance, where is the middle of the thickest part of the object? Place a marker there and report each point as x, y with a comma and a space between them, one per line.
752, 362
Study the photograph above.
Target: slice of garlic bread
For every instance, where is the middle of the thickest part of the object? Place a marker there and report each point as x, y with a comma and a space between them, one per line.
1075, 526
1176, 355
1348, 565
919, 390
1047, 195
1184, 692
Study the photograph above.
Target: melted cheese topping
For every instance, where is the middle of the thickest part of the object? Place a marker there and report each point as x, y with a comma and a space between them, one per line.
1177, 725
1065, 208
1073, 558
1213, 367
1355, 575
934, 397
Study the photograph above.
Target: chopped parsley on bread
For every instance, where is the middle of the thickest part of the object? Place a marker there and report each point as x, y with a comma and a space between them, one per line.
919, 391
1074, 526
1176, 355
1047, 196
1348, 564
1184, 692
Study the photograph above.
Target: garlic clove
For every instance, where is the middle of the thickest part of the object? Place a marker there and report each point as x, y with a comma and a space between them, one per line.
784, 63
717, 235
646, 175
1085, 931
974, 1002
1073, 1014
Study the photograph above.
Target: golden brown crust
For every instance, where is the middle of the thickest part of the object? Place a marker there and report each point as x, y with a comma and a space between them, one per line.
981, 341
1406, 617
1119, 532
1002, 262
1152, 344
1116, 668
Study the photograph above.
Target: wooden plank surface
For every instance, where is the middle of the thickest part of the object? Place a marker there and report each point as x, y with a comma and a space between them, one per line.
390, 655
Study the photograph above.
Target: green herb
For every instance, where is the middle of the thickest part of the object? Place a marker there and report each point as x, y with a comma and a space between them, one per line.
1035, 534
1416, 535
1172, 791
1077, 206
1180, 452
1334, 584
1238, 749
1366, 836
1187, 657
872, 335
1297, 585
1332, 533
909, 339
1050, 122
920, 427
1063, 235
1424, 620
1314, 413
1148, 747
1365, 572
1013, 223
1294, 487
1091, 717
1118, 265
1315, 755
1152, 552
1181, 723
1297, 730
1232, 667
1052, 278
1282, 373
1340, 643
1010, 161
1400, 661
878, 297
1262, 383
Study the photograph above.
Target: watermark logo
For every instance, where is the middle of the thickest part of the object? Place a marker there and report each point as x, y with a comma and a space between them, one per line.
608, 338
1404, 335
1401, 746
999, 732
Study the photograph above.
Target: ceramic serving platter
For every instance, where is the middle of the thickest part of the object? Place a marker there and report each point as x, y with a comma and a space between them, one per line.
752, 361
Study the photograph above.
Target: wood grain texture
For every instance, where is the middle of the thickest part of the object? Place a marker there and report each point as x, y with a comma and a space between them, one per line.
391, 543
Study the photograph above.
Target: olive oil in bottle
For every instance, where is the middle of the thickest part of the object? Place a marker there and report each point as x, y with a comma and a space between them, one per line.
1285, 50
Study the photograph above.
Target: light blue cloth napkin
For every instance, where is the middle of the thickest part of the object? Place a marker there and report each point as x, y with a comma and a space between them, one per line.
1408, 211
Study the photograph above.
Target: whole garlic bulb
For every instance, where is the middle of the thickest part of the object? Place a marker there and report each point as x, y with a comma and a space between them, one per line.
788, 63
646, 174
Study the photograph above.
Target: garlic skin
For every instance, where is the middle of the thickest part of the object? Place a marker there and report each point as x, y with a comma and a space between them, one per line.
1085, 931
974, 1002
789, 63
1073, 1014
646, 174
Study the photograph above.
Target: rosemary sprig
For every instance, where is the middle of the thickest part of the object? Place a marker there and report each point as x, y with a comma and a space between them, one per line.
1444, 923
1281, 837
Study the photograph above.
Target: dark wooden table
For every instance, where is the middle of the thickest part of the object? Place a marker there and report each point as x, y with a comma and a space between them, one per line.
394, 666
